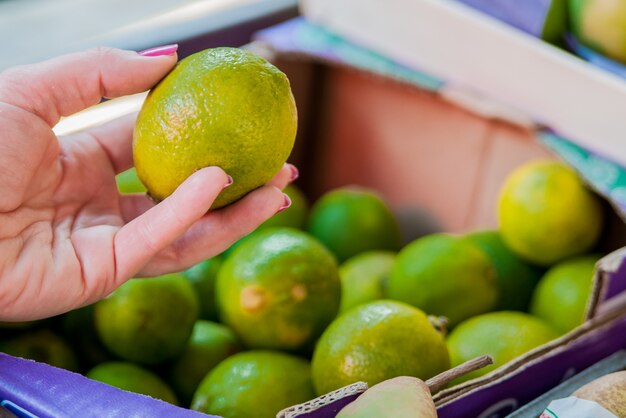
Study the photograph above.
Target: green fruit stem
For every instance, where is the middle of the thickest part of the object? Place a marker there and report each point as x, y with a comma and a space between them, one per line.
435, 384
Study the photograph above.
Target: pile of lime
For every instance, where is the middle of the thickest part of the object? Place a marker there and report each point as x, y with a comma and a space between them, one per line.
324, 295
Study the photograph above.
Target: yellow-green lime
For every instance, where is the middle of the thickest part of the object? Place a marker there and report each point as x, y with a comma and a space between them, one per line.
279, 289
364, 278
375, 342
516, 279
444, 275
351, 220
222, 107
203, 276
133, 378
563, 293
210, 343
547, 214
503, 335
128, 182
254, 384
146, 320
43, 346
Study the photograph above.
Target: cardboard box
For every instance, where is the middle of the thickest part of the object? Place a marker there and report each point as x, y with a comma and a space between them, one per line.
430, 156
467, 49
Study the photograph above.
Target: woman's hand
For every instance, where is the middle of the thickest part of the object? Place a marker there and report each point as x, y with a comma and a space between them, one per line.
67, 237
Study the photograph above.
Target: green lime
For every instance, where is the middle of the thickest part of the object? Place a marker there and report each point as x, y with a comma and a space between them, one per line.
133, 378
364, 277
279, 289
203, 276
547, 214
444, 275
43, 346
128, 182
375, 342
210, 343
222, 107
254, 384
352, 220
516, 279
295, 215
502, 335
563, 293
148, 321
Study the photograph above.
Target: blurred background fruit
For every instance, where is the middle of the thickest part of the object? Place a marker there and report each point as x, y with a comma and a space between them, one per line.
375, 342
444, 275
295, 215
210, 343
202, 276
44, 346
502, 335
128, 182
547, 214
279, 289
563, 293
254, 384
148, 320
364, 278
133, 378
601, 25
516, 279
351, 220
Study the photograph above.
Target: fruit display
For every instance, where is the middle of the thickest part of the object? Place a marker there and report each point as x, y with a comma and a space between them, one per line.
324, 294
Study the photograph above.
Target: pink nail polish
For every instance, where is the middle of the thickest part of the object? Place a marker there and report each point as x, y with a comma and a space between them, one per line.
286, 204
295, 173
230, 181
159, 51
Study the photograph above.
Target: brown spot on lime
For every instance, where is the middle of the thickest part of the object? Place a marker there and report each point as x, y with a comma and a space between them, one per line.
252, 298
298, 292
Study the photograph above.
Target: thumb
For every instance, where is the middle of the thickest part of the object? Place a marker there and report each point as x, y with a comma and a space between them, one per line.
67, 84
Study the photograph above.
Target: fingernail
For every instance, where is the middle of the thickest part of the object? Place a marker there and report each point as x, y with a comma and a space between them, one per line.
159, 51
230, 181
286, 204
294, 172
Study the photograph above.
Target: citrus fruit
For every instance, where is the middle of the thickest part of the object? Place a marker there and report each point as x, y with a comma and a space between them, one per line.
148, 321
503, 335
351, 220
222, 107
444, 275
547, 214
203, 276
43, 346
128, 182
516, 279
133, 378
562, 294
279, 289
375, 342
209, 344
601, 25
292, 217
364, 277
254, 384
295, 215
